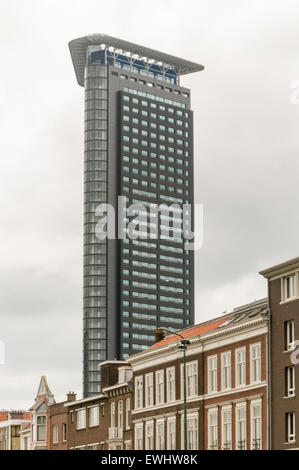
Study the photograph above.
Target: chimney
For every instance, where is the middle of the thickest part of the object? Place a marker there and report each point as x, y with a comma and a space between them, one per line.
71, 396
159, 335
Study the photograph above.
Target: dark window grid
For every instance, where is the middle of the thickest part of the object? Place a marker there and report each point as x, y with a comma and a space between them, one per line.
157, 180
157, 198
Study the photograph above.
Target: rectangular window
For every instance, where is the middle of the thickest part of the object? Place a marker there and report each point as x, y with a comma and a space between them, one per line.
120, 414
159, 387
170, 384
212, 374
128, 408
192, 432
289, 287
93, 416
149, 390
226, 370
64, 432
256, 426
149, 436
290, 427
226, 429
255, 350
240, 367
241, 427
213, 430
41, 428
138, 393
289, 335
139, 436
290, 381
191, 379
171, 433
160, 427
112, 418
81, 419
55, 434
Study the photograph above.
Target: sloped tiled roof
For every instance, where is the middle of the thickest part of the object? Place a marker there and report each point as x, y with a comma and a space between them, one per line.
190, 333
237, 316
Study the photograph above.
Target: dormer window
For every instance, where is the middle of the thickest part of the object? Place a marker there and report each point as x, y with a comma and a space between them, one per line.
124, 375
289, 287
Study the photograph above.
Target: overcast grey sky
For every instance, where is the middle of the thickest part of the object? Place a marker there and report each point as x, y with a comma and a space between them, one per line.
246, 162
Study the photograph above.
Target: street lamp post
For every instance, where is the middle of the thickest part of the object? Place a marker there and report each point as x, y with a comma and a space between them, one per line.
183, 347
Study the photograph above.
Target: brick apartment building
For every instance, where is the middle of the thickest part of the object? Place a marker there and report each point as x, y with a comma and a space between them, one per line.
100, 422
57, 431
227, 390
283, 291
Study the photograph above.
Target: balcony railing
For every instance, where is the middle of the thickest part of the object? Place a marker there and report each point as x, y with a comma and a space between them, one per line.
227, 445
256, 444
242, 445
213, 445
115, 433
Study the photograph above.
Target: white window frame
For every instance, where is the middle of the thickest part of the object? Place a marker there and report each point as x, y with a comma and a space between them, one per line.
171, 442
293, 287
128, 409
226, 409
240, 381
81, 418
112, 414
290, 342
212, 442
160, 400
191, 417
252, 359
160, 445
138, 434
139, 392
149, 389
149, 425
291, 437
223, 367
290, 377
254, 404
120, 414
168, 382
94, 414
215, 371
193, 365
241, 406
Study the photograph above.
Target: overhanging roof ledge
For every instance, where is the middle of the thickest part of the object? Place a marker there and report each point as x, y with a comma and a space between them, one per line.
78, 48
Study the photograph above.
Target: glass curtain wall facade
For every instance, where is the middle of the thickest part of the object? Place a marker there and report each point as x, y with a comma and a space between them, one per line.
95, 250
138, 145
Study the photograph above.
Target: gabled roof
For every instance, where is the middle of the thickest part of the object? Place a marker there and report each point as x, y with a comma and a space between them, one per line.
43, 395
44, 390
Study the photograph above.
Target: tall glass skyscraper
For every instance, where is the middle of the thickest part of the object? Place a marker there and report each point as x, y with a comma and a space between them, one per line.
138, 145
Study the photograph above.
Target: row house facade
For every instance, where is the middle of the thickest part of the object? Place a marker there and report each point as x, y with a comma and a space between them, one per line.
283, 293
12, 423
226, 385
101, 422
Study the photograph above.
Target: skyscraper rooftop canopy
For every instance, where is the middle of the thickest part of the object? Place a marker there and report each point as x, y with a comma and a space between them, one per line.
78, 48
